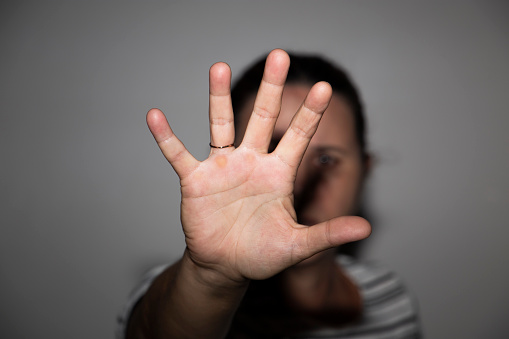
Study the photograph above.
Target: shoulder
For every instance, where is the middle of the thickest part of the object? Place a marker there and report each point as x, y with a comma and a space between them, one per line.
388, 305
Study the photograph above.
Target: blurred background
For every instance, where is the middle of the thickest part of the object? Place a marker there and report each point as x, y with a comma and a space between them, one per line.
88, 203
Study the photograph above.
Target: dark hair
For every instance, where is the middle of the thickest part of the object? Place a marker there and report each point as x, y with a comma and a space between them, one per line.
306, 69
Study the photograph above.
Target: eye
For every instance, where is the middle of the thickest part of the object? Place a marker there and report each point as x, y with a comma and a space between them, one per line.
326, 160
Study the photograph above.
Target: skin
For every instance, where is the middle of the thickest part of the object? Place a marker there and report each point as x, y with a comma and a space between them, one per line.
333, 164
238, 211
333, 154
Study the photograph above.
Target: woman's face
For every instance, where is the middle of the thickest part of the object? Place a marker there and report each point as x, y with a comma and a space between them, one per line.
329, 179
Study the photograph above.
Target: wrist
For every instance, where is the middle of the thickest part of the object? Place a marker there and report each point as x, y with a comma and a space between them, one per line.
214, 280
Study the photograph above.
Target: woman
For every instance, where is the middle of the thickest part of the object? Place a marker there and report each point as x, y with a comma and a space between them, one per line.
264, 214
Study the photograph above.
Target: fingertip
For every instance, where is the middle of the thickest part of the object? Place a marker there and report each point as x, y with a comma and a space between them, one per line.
158, 124
276, 67
279, 55
153, 111
324, 88
319, 97
220, 66
154, 115
355, 228
219, 78
220, 70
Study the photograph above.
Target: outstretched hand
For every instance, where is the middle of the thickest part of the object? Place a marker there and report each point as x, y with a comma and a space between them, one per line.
237, 205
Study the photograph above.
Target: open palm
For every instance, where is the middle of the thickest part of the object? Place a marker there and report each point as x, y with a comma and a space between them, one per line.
237, 206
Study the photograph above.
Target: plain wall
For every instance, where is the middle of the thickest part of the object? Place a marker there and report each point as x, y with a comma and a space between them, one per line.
88, 203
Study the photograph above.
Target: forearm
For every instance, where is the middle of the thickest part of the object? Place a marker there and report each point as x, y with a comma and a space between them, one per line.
183, 302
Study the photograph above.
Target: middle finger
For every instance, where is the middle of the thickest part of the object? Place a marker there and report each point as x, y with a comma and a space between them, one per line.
268, 102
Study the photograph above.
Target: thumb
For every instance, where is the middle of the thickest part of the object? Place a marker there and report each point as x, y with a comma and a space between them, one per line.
331, 233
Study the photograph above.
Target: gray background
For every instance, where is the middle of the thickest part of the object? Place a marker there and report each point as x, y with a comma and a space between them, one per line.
88, 203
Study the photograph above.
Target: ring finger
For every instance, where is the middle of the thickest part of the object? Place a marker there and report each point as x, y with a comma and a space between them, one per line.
222, 131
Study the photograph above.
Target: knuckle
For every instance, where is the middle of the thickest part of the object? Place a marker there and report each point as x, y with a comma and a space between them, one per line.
221, 121
263, 112
300, 131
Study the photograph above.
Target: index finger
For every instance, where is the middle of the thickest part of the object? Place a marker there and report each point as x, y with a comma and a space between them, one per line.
222, 130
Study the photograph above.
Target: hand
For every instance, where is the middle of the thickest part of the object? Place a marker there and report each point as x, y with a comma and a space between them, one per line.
237, 206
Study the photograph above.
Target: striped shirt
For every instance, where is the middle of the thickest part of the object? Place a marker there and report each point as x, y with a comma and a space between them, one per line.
389, 311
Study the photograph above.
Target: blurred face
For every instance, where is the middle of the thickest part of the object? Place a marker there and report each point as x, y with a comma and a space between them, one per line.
329, 179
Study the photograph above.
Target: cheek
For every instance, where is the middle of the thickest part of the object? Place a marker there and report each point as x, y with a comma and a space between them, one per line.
338, 194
